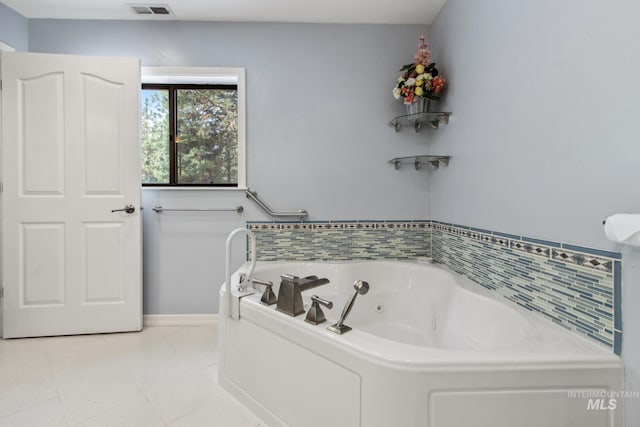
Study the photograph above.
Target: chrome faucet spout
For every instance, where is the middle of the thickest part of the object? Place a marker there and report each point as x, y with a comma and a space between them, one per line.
290, 292
311, 282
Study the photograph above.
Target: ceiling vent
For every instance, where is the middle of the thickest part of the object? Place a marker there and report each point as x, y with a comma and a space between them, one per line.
151, 9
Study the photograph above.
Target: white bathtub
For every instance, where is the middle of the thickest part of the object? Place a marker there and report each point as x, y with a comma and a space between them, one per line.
428, 348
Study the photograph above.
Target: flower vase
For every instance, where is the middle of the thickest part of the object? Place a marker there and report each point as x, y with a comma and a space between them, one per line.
421, 105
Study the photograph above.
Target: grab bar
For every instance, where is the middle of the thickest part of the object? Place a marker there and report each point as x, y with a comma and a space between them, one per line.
238, 209
233, 309
253, 195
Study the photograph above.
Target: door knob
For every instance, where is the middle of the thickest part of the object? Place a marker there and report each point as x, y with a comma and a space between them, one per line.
128, 209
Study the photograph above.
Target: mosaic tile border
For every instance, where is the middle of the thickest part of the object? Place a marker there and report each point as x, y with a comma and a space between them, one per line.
571, 254
337, 225
579, 288
342, 240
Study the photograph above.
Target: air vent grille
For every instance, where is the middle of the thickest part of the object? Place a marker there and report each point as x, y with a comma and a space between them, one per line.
161, 10
150, 9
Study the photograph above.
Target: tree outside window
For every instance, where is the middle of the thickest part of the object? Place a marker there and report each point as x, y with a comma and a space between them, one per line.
190, 135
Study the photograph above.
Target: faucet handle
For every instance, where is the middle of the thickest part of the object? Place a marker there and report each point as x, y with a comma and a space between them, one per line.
326, 303
257, 281
268, 297
315, 316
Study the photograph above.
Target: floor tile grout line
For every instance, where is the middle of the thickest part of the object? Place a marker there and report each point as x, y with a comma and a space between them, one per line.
30, 407
167, 341
146, 398
55, 383
110, 408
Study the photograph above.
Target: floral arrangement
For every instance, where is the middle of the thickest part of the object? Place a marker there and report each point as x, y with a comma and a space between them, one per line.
419, 79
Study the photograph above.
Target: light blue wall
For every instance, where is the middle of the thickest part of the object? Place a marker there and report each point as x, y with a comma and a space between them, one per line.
544, 137
14, 28
318, 103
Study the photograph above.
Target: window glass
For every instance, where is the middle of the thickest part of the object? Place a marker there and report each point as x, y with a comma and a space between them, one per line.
206, 136
155, 136
189, 135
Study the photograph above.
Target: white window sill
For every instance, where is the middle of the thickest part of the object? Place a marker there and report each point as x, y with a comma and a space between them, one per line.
176, 188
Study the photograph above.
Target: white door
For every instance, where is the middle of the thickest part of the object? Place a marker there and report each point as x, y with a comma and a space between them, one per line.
70, 156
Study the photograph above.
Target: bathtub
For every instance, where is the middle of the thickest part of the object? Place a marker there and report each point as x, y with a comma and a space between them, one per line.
428, 348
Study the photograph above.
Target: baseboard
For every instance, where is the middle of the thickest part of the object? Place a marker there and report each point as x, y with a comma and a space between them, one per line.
180, 319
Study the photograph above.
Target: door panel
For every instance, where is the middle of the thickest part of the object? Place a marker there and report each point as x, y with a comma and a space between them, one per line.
104, 263
70, 155
103, 108
42, 266
41, 117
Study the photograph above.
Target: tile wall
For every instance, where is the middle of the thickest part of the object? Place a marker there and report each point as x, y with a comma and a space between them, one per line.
578, 288
324, 241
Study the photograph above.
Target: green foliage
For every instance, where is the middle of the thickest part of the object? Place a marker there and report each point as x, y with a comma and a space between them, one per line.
206, 136
155, 136
207, 131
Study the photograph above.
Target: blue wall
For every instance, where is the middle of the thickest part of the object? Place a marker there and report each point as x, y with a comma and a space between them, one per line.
318, 105
14, 28
546, 101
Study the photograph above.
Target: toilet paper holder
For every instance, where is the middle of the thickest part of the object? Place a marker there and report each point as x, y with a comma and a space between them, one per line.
623, 228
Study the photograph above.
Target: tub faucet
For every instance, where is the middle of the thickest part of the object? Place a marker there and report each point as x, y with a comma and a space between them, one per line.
339, 327
315, 316
268, 297
290, 292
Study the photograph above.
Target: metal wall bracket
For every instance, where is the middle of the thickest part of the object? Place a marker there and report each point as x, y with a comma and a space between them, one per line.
417, 120
418, 161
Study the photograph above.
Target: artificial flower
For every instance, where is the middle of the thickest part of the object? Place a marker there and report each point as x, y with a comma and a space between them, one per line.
437, 83
419, 79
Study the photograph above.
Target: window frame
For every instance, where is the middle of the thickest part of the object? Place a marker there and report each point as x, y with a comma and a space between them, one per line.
202, 76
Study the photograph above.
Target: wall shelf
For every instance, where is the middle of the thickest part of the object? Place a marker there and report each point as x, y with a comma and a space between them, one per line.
417, 120
417, 161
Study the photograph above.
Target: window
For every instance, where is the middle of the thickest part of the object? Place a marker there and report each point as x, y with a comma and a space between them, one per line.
192, 129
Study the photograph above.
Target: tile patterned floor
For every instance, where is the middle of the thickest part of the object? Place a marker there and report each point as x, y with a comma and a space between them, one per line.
162, 376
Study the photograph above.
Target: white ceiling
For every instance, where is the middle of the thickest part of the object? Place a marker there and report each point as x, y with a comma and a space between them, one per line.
317, 11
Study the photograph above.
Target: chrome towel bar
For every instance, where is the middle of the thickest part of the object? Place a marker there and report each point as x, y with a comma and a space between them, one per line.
238, 209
